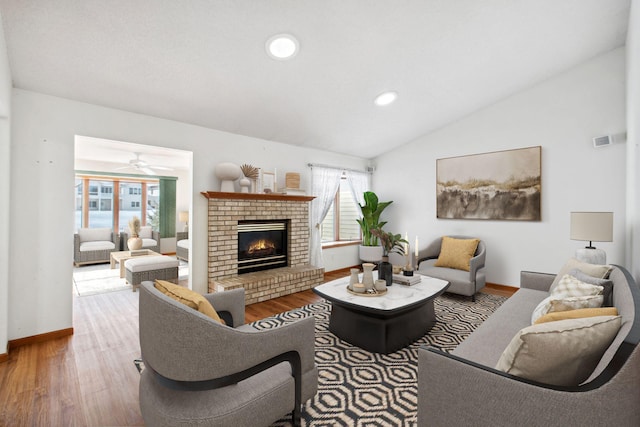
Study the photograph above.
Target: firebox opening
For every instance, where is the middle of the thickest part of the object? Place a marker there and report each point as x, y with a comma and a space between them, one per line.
262, 245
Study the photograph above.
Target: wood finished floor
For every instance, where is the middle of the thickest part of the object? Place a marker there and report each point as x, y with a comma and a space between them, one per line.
89, 379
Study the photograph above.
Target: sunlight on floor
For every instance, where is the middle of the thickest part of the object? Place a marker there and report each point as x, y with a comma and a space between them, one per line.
99, 278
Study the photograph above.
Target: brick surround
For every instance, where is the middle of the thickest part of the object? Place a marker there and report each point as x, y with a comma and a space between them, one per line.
224, 212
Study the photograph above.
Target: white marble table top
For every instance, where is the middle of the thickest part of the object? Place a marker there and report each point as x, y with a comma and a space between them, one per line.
397, 295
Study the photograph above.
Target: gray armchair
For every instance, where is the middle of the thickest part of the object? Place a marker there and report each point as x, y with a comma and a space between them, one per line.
94, 245
200, 372
462, 282
182, 245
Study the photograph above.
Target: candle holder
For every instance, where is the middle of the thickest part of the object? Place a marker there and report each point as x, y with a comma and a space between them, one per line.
416, 263
408, 269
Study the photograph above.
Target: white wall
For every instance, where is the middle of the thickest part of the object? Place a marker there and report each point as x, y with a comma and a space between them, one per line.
5, 179
633, 138
561, 114
42, 160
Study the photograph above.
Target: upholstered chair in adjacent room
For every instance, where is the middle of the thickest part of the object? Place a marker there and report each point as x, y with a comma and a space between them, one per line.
198, 371
94, 245
150, 239
182, 245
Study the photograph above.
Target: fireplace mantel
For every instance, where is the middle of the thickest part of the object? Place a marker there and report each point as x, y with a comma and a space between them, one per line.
255, 196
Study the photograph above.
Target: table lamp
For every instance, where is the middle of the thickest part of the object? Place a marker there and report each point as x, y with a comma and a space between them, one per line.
183, 216
592, 227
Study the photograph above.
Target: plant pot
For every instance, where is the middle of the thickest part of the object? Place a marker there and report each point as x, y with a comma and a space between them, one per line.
134, 243
371, 253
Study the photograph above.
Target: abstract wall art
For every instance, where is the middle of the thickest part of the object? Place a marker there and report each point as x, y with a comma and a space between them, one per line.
502, 185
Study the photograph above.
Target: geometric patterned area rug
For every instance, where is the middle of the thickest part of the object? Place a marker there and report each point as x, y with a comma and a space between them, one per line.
360, 388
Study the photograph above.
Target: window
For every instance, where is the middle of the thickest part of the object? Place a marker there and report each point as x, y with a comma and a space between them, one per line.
135, 204
106, 190
340, 223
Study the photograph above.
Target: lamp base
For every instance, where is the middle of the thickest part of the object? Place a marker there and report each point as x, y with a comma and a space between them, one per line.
591, 256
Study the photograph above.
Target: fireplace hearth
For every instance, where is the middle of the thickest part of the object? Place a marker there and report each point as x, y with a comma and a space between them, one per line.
262, 245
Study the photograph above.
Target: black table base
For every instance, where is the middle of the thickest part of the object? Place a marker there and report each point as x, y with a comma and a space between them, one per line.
379, 332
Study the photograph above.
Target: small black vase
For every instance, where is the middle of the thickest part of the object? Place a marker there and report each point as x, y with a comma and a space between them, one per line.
385, 270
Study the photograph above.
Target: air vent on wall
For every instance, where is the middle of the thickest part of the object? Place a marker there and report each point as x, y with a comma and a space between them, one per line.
602, 141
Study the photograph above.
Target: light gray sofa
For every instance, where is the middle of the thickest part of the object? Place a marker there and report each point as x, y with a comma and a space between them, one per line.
463, 388
462, 282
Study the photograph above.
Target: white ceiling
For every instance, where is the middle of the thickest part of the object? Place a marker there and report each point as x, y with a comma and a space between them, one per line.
203, 61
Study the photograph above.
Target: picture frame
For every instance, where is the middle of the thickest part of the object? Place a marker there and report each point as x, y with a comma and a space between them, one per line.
268, 182
500, 185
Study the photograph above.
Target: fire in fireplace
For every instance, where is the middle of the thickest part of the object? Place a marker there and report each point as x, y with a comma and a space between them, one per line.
262, 245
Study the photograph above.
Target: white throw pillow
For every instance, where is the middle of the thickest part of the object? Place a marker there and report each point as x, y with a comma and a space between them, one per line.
569, 287
562, 353
94, 235
594, 270
145, 232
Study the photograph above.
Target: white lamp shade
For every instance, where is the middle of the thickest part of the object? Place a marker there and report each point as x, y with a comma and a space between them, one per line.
592, 226
183, 216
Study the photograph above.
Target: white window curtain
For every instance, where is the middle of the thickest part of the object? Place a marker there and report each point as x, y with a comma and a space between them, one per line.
324, 184
359, 183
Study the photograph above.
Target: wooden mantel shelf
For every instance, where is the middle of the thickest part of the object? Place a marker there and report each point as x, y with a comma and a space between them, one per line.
255, 196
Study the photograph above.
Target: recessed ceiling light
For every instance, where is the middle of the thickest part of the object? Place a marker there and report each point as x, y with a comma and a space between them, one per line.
385, 98
282, 46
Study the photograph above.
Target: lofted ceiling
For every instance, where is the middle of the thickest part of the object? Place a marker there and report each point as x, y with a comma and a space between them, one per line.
203, 61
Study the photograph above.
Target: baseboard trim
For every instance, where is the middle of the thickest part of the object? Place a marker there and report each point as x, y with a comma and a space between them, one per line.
34, 339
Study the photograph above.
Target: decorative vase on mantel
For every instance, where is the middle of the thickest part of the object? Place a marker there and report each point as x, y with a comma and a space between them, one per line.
134, 243
385, 270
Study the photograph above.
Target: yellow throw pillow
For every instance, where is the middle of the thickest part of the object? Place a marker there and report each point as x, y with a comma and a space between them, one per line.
188, 297
457, 253
577, 314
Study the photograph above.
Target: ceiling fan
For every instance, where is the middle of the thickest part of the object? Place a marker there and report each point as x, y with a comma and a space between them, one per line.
142, 166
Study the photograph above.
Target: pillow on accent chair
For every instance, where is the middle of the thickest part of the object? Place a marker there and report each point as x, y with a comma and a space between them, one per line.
562, 353
456, 253
577, 314
594, 270
188, 297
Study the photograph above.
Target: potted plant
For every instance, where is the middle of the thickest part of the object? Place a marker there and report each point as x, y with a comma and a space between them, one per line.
370, 251
391, 243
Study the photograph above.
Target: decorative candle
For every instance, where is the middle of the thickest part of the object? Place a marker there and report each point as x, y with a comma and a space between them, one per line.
406, 244
416, 245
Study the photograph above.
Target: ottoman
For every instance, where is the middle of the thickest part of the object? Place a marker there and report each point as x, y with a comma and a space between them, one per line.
151, 268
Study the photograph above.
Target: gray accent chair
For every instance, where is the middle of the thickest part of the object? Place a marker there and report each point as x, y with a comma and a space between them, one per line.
200, 372
182, 251
94, 245
466, 283
150, 239
463, 388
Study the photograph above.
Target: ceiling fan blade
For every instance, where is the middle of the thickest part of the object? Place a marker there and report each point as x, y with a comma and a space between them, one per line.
147, 171
162, 168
